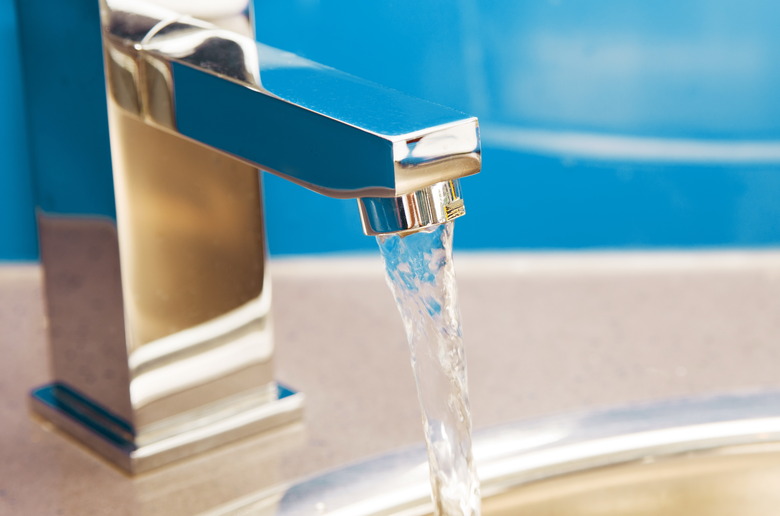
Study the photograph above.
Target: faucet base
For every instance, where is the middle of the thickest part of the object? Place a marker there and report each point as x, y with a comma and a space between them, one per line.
112, 438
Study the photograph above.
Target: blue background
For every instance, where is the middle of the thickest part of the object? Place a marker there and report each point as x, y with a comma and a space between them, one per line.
701, 71
17, 226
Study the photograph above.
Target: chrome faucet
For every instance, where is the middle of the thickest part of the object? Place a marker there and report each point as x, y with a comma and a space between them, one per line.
165, 348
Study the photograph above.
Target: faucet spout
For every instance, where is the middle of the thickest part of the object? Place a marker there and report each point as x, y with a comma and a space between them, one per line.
326, 130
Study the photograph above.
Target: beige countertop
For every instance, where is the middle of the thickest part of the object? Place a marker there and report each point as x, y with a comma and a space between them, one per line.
544, 334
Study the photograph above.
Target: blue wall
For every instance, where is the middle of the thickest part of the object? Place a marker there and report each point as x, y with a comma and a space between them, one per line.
619, 123
605, 124
17, 226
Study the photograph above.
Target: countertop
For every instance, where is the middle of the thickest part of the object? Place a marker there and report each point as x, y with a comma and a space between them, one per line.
545, 333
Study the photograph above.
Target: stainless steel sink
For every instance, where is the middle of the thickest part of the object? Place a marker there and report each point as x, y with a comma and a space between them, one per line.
711, 456
733, 480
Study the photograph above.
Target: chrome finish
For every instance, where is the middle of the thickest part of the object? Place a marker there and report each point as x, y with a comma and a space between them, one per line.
429, 206
328, 131
732, 442
159, 313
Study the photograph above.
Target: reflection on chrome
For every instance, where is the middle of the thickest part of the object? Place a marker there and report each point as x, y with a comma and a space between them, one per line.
202, 353
201, 338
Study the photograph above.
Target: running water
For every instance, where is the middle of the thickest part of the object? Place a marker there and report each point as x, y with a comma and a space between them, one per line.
422, 277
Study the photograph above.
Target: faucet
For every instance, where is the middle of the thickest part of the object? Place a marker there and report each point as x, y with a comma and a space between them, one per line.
159, 319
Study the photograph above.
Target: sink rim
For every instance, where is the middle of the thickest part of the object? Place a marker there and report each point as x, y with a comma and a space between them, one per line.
520, 452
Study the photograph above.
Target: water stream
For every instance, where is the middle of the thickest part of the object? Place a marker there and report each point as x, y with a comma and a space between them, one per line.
421, 275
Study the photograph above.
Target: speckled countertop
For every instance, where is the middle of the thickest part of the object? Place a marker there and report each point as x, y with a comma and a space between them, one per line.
545, 334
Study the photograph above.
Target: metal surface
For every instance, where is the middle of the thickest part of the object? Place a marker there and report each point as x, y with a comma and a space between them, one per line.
429, 206
158, 302
113, 438
329, 131
733, 480
515, 460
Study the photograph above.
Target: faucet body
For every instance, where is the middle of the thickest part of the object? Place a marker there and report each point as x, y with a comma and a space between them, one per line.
160, 319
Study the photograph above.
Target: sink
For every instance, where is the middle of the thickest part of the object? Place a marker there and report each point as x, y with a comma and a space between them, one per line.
714, 456
740, 480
